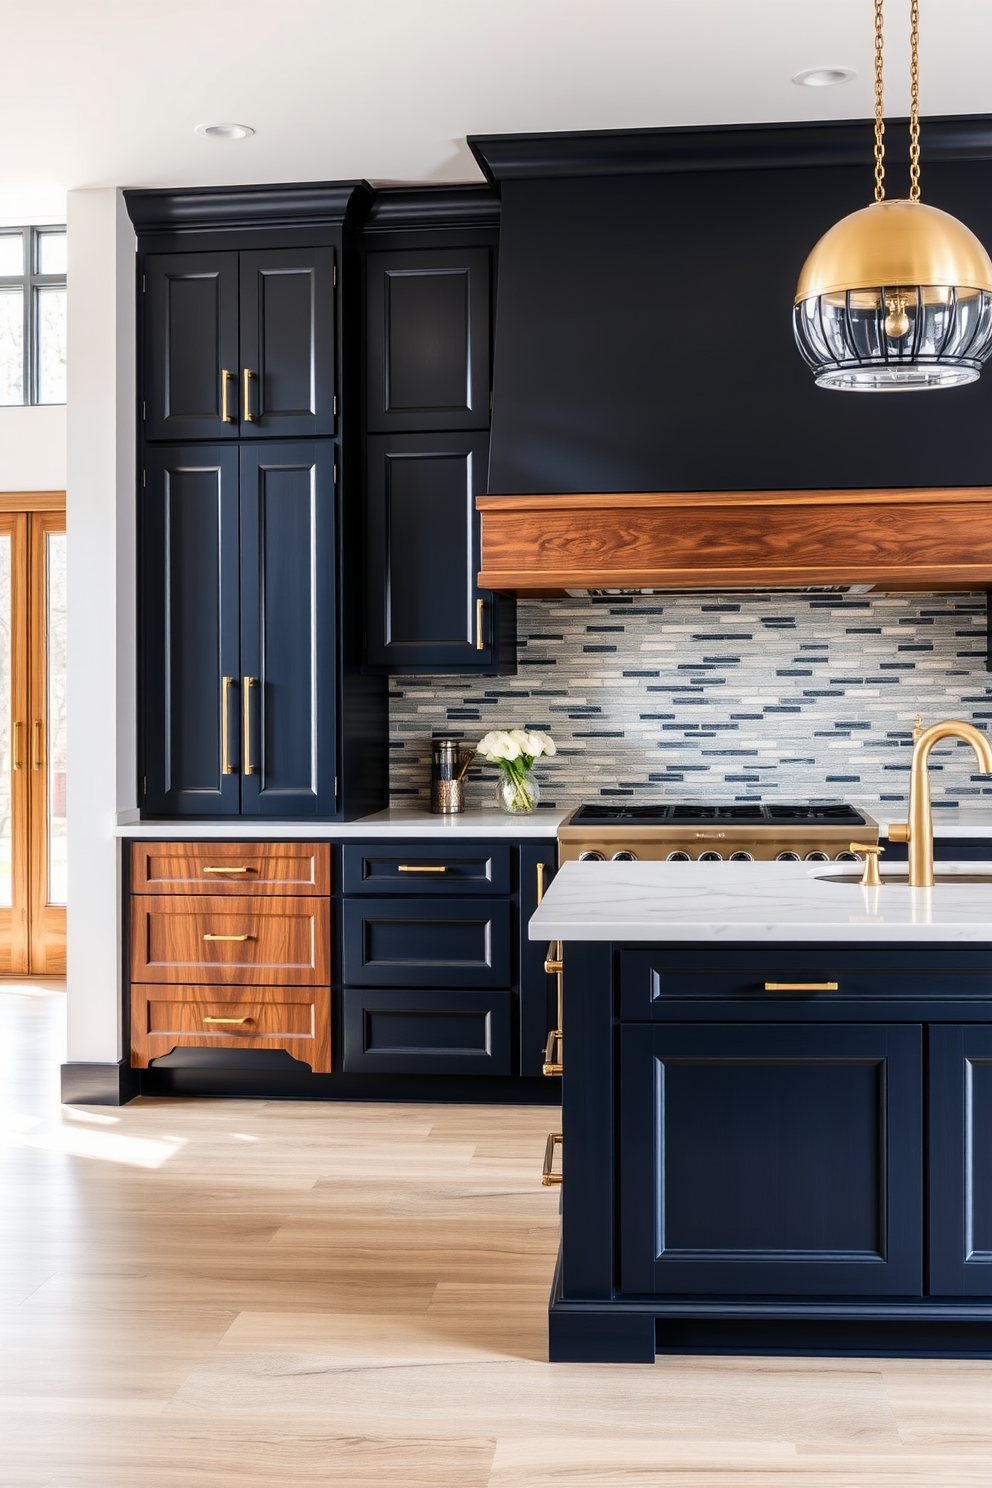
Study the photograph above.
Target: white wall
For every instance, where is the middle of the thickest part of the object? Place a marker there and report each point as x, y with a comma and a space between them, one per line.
100, 503
32, 448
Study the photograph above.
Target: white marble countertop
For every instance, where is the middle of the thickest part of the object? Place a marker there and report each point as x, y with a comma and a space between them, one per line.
753, 901
396, 822
952, 821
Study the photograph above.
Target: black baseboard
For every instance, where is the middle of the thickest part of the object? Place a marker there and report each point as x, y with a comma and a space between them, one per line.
86, 1084
274, 1083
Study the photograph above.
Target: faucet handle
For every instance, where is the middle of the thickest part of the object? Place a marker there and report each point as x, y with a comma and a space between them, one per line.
898, 831
870, 879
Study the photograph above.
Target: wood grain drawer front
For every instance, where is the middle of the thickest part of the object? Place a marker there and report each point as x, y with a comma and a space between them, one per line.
246, 941
230, 868
179, 1016
459, 943
426, 868
429, 1032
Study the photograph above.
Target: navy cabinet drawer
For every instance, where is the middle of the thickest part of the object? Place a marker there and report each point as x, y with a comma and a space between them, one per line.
426, 868
653, 981
427, 1032
406, 943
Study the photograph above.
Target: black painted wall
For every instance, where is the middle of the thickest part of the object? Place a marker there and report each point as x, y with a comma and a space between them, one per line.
644, 339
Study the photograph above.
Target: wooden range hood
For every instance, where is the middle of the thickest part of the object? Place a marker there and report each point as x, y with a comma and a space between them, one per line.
926, 539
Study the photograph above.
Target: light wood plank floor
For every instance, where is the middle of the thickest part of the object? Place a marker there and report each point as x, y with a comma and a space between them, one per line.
219, 1294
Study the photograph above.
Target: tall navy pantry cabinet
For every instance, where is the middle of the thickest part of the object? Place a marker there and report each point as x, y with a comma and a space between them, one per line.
254, 701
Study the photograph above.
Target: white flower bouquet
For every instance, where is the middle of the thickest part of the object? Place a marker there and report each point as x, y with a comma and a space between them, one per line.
514, 751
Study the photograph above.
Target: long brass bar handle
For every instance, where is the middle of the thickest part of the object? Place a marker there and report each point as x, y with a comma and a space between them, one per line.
420, 868
18, 760
480, 644
247, 683
227, 870
226, 417
800, 986
552, 962
549, 1177
227, 937
226, 683
540, 882
37, 746
552, 1054
247, 396
228, 1020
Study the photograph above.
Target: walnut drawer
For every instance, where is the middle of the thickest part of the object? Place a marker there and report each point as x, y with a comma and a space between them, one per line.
214, 868
179, 1016
245, 940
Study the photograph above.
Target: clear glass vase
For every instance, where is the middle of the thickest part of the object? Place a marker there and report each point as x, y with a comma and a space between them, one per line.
517, 793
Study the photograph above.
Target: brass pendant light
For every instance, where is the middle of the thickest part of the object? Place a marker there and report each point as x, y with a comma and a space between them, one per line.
897, 296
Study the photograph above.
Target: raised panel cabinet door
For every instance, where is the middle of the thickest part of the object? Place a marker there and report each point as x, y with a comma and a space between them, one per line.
960, 1198
771, 1160
189, 647
428, 315
457, 943
252, 941
190, 333
178, 1016
426, 611
287, 343
287, 630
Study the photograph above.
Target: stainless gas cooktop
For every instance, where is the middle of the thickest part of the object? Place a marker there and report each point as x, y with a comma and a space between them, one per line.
739, 831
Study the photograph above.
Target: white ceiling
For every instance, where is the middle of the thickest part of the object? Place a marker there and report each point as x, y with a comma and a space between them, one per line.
107, 92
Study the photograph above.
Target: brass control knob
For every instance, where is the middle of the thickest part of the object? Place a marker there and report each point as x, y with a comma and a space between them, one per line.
871, 878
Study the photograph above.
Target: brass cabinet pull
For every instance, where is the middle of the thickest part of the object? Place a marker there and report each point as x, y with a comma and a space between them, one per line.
227, 870
420, 868
227, 1020
480, 644
37, 748
227, 937
549, 1176
800, 986
552, 1054
226, 417
540, 882
247, 683
248, 378
552, 962
226, 683
18, 761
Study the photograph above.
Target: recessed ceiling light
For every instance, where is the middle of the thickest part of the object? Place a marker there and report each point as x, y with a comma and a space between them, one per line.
824, 77
224, 131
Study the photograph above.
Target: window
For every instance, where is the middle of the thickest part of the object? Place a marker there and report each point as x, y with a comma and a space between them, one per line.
32, 315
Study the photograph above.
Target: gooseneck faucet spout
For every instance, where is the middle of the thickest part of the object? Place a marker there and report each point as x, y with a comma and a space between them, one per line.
918, 831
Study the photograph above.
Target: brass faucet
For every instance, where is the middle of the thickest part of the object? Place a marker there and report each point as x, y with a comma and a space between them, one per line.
918, 831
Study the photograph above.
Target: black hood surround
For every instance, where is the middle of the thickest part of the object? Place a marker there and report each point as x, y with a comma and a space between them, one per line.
643, 325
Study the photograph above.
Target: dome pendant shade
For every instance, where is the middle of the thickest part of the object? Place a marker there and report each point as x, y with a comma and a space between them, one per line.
893, 298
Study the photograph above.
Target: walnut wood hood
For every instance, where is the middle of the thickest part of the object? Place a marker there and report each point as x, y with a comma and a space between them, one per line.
887, 539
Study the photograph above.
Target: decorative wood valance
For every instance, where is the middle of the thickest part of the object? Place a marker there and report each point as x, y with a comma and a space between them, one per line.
889, 539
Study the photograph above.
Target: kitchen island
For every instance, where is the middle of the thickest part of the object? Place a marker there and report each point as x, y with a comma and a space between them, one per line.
777, 1111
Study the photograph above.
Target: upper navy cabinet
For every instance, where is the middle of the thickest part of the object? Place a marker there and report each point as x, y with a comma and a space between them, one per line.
239, 345
425, 610
427, 348
238, 631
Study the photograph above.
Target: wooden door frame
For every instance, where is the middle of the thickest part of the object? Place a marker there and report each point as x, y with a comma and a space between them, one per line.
46, 922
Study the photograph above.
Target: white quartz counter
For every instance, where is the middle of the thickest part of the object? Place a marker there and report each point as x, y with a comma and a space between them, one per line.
753, 901
397, 822
952, 821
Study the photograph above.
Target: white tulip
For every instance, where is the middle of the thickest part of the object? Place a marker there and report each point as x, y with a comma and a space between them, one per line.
506, 748
550, 747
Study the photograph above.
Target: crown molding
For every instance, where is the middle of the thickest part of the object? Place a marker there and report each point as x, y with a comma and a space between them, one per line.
213, 208
433, 206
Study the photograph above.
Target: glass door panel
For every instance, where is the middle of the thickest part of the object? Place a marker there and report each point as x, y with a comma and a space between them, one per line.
56, 634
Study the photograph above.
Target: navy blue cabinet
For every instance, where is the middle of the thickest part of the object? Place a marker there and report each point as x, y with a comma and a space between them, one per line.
238, 630
395, 943
771, 1159
397, 1031
425, 609
239, 345
960, 1160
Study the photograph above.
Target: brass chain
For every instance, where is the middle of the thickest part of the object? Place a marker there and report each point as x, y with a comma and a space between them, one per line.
879, 120
914, 101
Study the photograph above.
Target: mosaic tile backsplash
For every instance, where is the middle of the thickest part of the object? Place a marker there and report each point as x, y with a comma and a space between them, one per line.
719, 698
